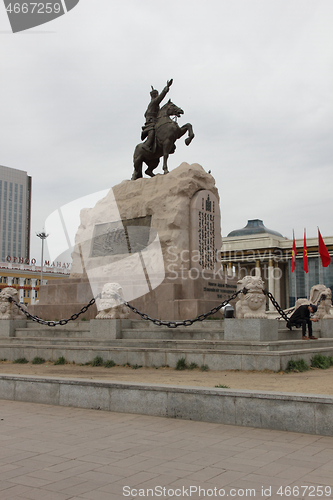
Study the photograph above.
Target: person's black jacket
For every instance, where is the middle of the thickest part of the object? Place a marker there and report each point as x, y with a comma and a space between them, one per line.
302, 313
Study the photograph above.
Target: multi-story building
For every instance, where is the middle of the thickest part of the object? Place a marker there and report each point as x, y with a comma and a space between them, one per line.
15, 213
257, 250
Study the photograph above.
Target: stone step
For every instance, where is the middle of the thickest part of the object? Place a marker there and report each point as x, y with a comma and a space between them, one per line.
52, 333
160, 344
140, 332
214, 359
72, 325
216, 324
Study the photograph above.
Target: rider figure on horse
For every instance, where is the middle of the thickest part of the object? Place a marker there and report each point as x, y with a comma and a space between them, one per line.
148, 130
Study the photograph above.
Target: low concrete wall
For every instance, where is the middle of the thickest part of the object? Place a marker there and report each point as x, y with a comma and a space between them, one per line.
311, 414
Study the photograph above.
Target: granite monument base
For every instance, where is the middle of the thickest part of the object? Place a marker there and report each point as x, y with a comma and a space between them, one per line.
185, 298
175, 299
159, 239
62, 298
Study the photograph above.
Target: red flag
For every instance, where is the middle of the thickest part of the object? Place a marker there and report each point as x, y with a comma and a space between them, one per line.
323, 252
305, 255
294, 253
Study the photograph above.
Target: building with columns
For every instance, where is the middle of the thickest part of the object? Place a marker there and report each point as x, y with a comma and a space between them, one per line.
259, 251
26, 279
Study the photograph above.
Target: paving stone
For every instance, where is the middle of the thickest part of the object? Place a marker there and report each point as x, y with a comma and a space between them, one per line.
101, 452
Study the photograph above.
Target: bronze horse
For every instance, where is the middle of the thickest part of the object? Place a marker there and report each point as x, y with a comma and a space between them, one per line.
167, 131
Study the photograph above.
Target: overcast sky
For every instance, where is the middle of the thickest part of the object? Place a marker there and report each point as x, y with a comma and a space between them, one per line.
254, 77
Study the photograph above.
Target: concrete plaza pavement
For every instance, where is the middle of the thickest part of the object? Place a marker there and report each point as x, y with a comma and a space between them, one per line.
61, 453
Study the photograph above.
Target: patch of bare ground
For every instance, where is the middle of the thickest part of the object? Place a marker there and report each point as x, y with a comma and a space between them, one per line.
314, 381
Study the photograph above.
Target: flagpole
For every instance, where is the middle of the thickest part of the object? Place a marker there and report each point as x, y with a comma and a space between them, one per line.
307, 266
293, 263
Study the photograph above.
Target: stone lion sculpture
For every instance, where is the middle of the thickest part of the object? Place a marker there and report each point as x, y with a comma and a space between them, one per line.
253, 303
8, 310
111, 305
321, 296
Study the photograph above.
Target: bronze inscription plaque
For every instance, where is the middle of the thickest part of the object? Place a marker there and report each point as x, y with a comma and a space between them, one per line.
122, 237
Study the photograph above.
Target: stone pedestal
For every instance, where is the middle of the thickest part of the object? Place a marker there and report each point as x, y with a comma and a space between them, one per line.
8, 326
108, 328
251, 329
326, 328
159, 238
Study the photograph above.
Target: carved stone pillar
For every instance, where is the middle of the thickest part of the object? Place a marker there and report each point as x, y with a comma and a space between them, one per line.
258, 272
277, 280
270, 283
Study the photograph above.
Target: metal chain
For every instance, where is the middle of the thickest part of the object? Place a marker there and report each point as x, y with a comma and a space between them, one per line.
158, 322
186, 322
276, 305
54, 323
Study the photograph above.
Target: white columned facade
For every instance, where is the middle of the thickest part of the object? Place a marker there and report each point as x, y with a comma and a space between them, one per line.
270, 283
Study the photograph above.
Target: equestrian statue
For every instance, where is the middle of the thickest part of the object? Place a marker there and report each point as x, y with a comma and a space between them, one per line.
161, 132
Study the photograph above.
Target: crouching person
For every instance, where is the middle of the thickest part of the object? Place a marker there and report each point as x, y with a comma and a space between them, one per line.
301, 318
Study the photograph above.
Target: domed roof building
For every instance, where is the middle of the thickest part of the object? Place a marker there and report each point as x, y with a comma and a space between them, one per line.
258, 251
254, 226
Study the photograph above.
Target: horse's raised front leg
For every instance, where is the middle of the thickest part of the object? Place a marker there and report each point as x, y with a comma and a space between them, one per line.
187, 128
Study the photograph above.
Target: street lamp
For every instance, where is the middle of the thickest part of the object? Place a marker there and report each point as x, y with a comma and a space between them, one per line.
43, 237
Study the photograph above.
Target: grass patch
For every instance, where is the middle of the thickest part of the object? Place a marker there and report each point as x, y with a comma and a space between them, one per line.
181, 364
60, 361
135, 367
21, 361
192, 366
204, 368
38, 360
97, 361
109, 364
297, 366
320, 361
221, 386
